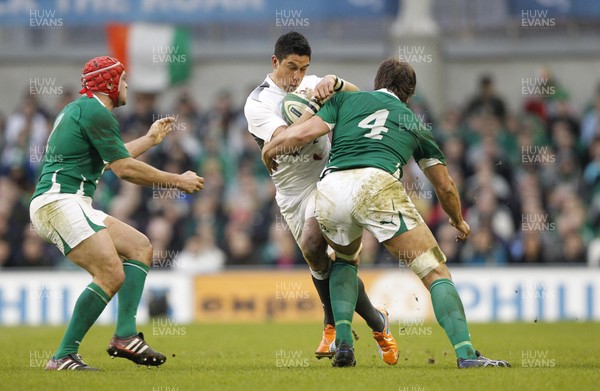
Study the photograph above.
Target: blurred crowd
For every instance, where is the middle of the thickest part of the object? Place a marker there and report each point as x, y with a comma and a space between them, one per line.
529, 183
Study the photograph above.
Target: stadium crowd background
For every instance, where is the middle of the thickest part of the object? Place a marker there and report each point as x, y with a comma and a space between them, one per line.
525, 205
529, 180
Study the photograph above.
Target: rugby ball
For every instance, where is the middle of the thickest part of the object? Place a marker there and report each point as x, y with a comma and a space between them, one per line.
293, 106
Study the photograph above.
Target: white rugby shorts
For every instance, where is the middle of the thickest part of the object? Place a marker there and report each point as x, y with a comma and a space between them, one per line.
65, 219
296, 209
350, 200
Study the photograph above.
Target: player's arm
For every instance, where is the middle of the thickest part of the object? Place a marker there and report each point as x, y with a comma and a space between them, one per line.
140, 173
293, 137
157, 132
331, 84
447, 193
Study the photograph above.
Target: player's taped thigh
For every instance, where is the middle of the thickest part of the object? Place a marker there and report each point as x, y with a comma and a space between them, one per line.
346, 257
426, 262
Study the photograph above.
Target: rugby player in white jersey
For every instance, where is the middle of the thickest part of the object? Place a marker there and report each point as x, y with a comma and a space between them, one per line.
298, 174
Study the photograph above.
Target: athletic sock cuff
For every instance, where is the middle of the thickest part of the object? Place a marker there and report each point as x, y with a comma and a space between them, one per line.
440, 281
461, 344
99, 292
137, 264
342, 263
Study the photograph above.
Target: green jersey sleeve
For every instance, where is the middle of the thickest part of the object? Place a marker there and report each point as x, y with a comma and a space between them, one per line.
102, 130
329, 111
427, 153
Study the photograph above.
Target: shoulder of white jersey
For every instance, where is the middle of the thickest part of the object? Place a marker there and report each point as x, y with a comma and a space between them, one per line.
255, 94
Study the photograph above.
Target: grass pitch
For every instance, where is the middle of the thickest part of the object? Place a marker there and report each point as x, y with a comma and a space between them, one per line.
558, 356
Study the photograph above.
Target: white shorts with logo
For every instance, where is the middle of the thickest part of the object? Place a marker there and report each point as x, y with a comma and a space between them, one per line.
65, 219
350, 200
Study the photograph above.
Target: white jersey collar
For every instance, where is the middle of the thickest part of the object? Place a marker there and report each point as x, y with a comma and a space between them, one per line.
98, 99
387, 92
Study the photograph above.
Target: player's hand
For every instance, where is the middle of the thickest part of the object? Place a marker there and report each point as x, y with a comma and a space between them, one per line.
324, 90
189, 182
463, 229
268, 159
159, 129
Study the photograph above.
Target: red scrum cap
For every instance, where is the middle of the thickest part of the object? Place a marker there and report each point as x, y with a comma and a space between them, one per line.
103, 75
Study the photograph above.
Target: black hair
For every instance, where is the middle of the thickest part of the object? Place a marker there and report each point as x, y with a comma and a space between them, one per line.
292, 43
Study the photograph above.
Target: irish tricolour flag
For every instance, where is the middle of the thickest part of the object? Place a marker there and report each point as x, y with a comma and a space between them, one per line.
156, 56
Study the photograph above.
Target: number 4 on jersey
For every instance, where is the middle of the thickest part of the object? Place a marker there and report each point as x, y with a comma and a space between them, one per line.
375, 122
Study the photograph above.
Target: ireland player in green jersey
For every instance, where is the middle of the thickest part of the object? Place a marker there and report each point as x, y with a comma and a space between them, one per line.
374, 136
84, 141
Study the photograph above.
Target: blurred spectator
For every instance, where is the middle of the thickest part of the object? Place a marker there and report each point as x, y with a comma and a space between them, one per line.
282, 250
485, 176
421, 108
4, 252
563, 111
528, 248
68, 95
25, 137
190, 116
590, 125
446, 237
201, 254
240, 249
565, 140
486, 101
593, 253
448, 126
484, 249
160, 233
32, 253
143, 114
222, 115
591, 172
539, 91
574, 249
487, 212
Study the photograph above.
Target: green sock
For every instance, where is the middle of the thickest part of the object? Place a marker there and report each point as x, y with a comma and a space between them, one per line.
450, 314
129, 296
343, 289
88, 308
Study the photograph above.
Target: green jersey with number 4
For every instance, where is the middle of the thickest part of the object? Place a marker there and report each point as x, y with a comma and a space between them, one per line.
85, 137
376, 129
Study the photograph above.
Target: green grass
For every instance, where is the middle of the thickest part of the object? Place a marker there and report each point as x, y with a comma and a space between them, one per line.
244, 357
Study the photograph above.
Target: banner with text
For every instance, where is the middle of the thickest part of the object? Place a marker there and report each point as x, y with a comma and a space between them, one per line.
34, 298
283, 13
488, 295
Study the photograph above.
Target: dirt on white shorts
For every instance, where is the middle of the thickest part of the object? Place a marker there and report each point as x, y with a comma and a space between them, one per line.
350, 200
65, 219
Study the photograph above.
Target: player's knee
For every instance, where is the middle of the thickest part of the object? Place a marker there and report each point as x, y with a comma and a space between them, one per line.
146, 250
143, 250
441, 271
112, 280
314, 250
